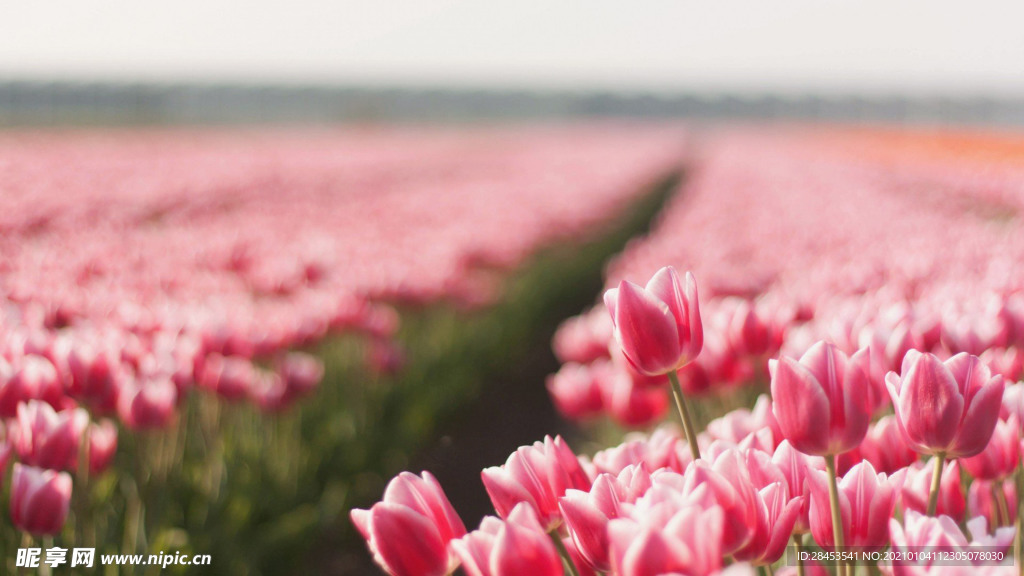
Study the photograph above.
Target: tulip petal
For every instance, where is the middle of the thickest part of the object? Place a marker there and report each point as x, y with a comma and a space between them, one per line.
801, 407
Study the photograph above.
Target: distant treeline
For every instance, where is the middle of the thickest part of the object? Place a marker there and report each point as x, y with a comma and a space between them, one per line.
57, 103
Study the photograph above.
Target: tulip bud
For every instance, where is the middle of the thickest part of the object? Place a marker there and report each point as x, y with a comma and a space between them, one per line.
822, 402
1000, 457
657, 326
102, 446
48, 439
947, 408
148, 404
39, 499
409, 530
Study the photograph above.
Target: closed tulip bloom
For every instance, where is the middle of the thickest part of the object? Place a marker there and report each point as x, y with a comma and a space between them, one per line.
629, 403
408, 531
31, 378
866, 500
39, 499
947, 408
885, 447
510, 547
538, 475
1000, 457
148, 404
576, 389
916, 486
821, 402
984, 499
46, 438
657, 326
102, 446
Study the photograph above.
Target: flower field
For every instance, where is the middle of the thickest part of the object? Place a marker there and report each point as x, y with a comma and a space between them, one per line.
844, 363
172, 300
226, 341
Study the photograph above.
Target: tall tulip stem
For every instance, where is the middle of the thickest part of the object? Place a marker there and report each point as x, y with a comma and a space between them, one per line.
799, 545
933, 494
1018, 542
564, 553
684, 414
837, 513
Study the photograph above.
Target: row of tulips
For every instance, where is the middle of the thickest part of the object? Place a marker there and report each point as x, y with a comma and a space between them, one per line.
808, 459
139, 266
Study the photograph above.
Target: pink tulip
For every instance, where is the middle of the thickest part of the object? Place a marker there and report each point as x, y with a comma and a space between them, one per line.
654, 545
657, 326
796, 467
229, 376
33, 377
942, 533
1008, 362
587, 514
102, 446
510, 547
983, 500
821, 402
583, 338
630, 403
96, 376
917, 486
538, 475
662, 449
576, 389
48, 439
726, 485
300, 372
1001, 456
885, 447
408, 531
740, 423
947, 408
777, 509
39, 499
866, 501
148, 404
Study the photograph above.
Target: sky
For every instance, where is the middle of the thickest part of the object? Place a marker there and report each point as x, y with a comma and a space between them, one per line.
867, 47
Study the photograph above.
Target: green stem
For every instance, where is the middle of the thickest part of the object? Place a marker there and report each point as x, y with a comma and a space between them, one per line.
837, 514
560, 546
1002, 506
44, 568
933, 495
684, 414
799, 545
768, 570
1018, 541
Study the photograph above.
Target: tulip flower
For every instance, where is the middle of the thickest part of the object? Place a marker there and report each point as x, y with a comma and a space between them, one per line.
726, 485
148, 404
31, 378
652, 546
820, 401
659, 330
587, 514
629, 402
408, 531
662, 449
796, 467
866, 500
916, 489
994, 500
39, 499
576, 389
48, 439
657, 326
946, 408
102, 446
885, 447
517, 545
1001, 456
919, 531
538, 475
